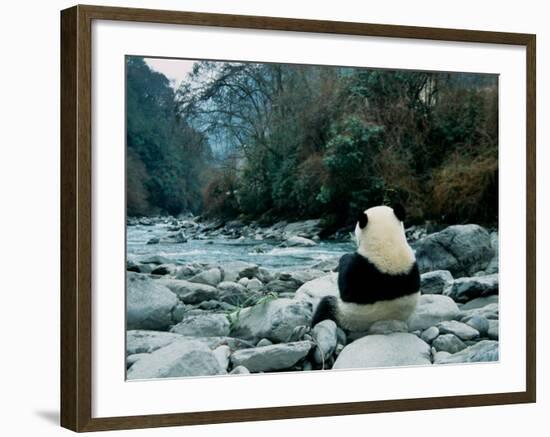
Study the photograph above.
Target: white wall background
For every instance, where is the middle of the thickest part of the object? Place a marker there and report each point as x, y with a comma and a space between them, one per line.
29, 219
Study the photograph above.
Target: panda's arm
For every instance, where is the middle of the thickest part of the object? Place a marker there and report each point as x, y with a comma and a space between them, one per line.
352, 278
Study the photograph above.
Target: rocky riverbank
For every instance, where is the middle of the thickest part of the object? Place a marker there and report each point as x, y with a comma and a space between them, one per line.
189, 318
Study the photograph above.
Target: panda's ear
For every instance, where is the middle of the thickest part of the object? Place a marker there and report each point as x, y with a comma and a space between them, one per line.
363, 220
399, 212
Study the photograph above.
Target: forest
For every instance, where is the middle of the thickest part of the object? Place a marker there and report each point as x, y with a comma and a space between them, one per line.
266, 142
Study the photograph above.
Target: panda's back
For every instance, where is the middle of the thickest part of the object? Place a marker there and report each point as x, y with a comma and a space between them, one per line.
361, 282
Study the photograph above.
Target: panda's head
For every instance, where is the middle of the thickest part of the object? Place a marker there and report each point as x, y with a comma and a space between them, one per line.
380, 235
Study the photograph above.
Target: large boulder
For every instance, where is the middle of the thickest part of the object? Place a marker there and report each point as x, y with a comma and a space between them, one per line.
190, 292
148, 304
461, 249
431, 310
316, 289
181, 358
398, 349
485, 350
272, 319
465, 289
203, 325
272, 357
435, 282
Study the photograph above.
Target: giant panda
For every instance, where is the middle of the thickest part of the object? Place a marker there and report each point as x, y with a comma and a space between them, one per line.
380, 281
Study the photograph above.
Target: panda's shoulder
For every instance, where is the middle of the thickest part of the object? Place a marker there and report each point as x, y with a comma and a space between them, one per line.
353, 262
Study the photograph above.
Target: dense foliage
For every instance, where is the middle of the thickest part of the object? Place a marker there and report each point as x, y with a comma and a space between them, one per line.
309, 141
166, 159
293, 141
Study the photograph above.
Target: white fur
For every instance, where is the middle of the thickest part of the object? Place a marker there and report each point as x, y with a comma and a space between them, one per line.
383, 241
357, 317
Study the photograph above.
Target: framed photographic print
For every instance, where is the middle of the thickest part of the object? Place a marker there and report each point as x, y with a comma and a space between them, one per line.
268, 218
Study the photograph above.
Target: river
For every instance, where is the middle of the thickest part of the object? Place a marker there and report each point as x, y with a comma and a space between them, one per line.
218, 250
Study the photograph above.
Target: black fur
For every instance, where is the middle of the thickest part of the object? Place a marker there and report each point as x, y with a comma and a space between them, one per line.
325, 310
361, 282
363, 219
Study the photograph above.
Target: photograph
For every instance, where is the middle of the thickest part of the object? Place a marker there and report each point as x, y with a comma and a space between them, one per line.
292, 217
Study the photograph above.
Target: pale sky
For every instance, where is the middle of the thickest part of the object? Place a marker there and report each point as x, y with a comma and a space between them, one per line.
175, 70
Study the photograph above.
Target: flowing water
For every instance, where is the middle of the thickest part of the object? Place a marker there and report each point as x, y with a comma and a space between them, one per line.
219, 250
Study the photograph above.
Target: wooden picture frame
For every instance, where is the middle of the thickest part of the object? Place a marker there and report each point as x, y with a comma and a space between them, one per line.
76, 217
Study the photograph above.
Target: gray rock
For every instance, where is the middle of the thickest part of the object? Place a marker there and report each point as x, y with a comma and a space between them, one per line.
269, 358
154, 240
307, 228
222, 354
148, 304
490, 312
461, 330
388, 327
164, 269
480, 302
213, 305
435, 282
175, 238
493, 330
303, 276
298, 242
465, 289
440, 357
494, 263
325, 339
314, 291
141, 341
264, 275
448, 343
328, 265
232, 292
480, 323
234, 270
187, 271
209, 277
398, 349
254, 284
191, 292
131, 359
243, 281
264, 342
155, 259
430, 334
240, 370
432, 309
461, 249
341, 336
281, 286
181, 358
203, 325
485, 350
273, 319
